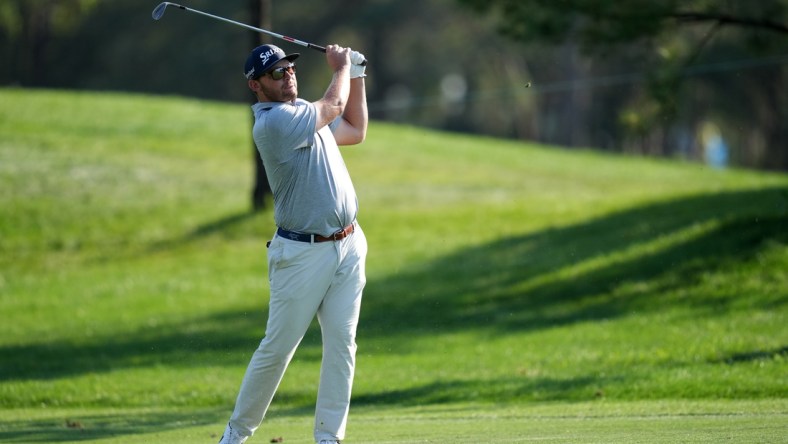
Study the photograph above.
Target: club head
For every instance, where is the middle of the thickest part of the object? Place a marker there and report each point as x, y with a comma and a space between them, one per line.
159, 10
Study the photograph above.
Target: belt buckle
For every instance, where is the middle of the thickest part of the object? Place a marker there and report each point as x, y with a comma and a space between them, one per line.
343, 233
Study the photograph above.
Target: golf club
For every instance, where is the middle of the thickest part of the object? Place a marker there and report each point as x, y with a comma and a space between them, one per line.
158, 12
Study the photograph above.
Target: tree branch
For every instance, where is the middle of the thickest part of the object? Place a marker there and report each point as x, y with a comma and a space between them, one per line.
724, 19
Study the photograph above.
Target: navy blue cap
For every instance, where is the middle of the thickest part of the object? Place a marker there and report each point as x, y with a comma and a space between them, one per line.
264, 58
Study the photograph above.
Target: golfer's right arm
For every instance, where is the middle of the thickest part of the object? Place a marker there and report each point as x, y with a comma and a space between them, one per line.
333, 103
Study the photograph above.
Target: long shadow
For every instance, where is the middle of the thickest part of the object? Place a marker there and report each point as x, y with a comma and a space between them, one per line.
512, 284
100, 426
229, 226
490, 390
226, 338
756, 355
223, 336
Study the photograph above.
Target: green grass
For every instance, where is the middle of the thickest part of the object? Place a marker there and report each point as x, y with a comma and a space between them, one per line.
515, 293
594, 422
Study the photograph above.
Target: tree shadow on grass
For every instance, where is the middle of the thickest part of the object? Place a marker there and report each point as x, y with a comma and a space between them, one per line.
90, 427
217, 340
588, 271
756, 355
243, 223
226, 338
491, 390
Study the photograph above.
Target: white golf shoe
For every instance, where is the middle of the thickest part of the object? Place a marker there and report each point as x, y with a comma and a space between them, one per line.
230, 436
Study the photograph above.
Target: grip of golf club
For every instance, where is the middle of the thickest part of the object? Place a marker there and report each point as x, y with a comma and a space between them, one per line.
323, 49
318, 47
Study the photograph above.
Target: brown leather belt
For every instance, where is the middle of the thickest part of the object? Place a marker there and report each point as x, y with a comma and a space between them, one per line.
304, 237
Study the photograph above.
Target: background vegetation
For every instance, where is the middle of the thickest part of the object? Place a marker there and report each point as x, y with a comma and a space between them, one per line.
703, 80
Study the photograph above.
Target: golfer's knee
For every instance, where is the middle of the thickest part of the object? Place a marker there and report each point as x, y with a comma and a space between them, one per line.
343, 346
277, 350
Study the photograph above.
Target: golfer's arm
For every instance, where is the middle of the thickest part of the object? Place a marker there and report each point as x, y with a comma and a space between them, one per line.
335, 99
353, 127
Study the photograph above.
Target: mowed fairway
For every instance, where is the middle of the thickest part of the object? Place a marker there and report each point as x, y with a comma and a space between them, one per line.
515, 293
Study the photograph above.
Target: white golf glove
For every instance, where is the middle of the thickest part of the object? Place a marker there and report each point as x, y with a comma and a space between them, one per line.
356, 69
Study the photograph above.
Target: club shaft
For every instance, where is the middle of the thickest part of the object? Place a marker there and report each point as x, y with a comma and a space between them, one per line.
253, 28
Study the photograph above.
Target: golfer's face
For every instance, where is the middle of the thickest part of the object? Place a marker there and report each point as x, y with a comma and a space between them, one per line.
279, 84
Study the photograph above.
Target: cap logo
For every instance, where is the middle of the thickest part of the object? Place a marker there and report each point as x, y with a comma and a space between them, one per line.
264, 56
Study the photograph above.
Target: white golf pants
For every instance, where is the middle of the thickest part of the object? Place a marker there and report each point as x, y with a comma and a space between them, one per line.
307, 279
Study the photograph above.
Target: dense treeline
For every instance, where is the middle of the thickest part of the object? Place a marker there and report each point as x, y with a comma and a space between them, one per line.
695, 79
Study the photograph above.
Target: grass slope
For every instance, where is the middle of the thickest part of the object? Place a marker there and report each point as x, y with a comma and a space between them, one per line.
507, 284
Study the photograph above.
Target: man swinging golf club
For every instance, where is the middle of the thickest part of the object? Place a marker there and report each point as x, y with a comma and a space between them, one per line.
316, 259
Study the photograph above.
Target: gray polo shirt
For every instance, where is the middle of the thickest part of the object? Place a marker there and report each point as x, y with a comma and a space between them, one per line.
312, 189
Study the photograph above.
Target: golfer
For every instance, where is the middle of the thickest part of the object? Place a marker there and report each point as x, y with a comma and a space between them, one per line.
316, 258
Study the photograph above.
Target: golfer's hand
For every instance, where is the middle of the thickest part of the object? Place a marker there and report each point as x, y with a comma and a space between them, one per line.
337, 57
356, 67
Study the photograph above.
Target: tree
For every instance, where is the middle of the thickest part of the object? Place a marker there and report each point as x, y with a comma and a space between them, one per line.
604, 21
671, 36
30, 27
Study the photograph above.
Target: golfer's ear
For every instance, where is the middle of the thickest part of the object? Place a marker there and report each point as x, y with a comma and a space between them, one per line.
254, 85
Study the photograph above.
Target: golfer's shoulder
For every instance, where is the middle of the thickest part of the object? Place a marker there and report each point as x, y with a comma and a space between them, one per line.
283, 109
282, 121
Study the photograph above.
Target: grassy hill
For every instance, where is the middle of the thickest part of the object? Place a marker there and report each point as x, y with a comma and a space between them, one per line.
501, 274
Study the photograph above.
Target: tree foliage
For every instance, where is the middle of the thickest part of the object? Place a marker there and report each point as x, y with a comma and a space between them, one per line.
670, 37
33, 25
603, 22
640, 76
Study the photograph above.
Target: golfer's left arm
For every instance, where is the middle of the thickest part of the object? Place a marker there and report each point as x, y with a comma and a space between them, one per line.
352, 128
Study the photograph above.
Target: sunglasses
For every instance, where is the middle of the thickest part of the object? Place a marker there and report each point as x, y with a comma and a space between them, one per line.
279, 73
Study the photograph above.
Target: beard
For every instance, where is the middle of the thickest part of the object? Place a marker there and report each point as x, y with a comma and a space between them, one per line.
282, 92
